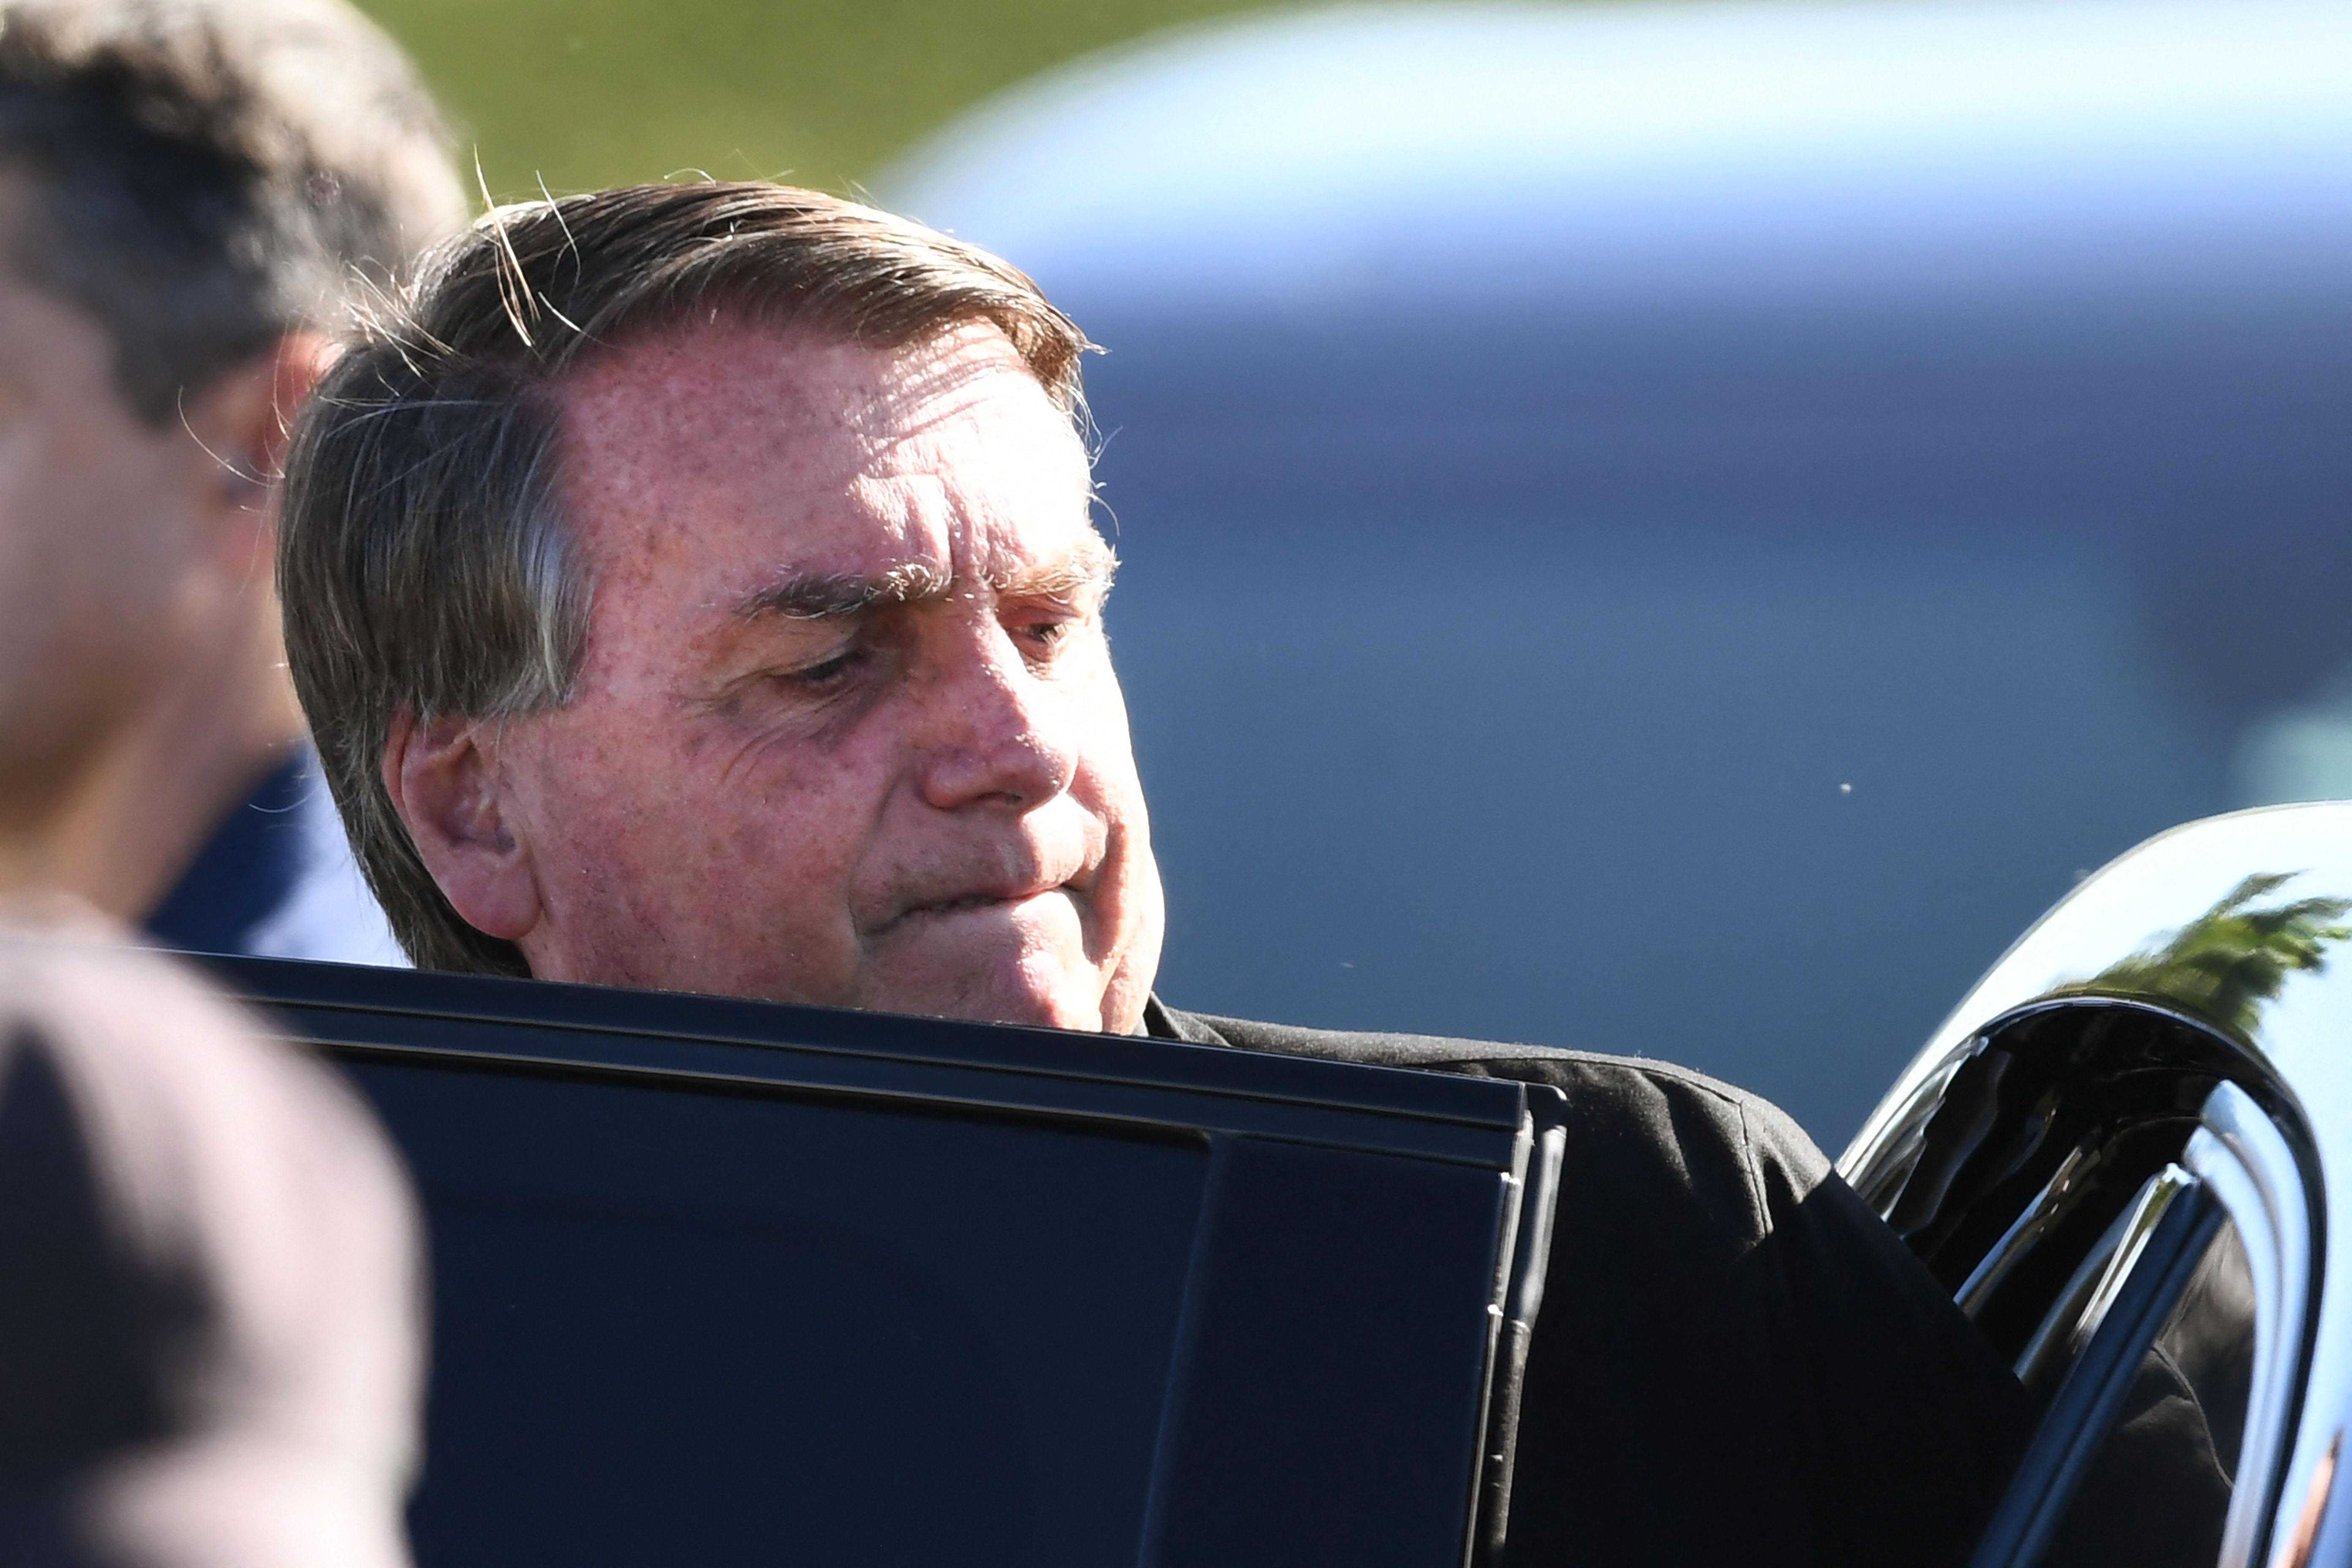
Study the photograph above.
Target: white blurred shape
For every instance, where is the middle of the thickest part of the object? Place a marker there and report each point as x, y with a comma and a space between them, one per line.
2297, 753
1743, 147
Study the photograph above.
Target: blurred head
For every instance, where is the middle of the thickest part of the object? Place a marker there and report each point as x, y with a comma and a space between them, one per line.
187, 190
696, 587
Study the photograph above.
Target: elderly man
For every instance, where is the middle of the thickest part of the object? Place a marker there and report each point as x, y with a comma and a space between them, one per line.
186, 189
695, 587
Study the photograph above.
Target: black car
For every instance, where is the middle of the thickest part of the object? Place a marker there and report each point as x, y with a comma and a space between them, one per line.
725, 1282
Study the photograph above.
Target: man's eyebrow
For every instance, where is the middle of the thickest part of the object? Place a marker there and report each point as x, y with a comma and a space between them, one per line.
1091, 565
815, 596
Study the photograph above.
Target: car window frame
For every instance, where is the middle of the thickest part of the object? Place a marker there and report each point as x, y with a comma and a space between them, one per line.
2237, 1167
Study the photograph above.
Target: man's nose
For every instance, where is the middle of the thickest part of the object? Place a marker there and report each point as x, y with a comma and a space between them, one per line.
997, 732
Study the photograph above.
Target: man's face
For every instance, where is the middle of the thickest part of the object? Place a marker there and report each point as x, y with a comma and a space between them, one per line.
98, 516
846, 729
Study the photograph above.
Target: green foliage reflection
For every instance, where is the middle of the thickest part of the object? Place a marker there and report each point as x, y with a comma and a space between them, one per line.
2225, 964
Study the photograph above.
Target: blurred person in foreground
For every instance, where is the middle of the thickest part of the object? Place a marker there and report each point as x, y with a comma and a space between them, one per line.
211, 1318
696, 587
187, 190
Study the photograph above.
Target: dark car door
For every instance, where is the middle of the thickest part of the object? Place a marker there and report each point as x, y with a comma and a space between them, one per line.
724, 1282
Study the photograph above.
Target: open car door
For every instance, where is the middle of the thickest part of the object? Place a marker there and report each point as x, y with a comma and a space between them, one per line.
2116, 1155
722, 1282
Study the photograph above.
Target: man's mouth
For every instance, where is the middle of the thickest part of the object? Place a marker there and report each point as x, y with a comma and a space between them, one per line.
1008, 876
970, 902
977, 902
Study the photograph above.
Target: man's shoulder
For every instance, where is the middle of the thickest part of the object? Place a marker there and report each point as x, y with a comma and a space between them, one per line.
1735, 1305
1632, 1105
1379, 1049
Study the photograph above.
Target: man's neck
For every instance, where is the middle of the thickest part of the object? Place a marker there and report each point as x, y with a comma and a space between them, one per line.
157, 789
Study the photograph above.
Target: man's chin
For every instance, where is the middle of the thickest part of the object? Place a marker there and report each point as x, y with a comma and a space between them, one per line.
1008, 965
1061, 1001
1057, 1008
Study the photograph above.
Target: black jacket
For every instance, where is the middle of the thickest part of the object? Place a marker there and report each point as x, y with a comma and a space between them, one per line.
1736, 1362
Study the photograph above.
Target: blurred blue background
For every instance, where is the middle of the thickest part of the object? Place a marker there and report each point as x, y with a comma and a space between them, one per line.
1682, 528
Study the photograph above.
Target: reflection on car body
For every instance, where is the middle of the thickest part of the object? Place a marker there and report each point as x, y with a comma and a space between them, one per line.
2116, 1155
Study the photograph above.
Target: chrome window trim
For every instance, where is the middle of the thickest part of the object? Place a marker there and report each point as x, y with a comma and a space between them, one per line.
2031, 1226
2243, 1160
2161, 1193
2173, 1221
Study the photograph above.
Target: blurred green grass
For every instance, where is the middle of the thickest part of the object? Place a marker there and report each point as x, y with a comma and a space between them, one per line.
582, 93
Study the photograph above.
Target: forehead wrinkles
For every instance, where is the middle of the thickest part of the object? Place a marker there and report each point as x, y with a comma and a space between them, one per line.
968, 382
940, 537
928, 382
950, 451
966, 454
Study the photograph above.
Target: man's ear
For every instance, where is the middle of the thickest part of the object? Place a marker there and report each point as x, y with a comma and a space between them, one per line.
444, 779
296, 366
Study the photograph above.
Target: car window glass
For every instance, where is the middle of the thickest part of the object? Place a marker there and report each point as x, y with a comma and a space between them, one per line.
673, 1326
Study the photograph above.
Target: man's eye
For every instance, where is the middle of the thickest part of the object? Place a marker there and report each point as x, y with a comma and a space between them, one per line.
1045, 633
831, 672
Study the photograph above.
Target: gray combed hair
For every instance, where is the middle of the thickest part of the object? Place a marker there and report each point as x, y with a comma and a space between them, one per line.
424, 563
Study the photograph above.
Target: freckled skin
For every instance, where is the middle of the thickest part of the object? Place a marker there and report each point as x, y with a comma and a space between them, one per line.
928, 807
